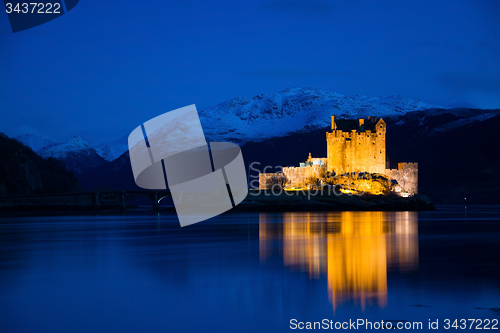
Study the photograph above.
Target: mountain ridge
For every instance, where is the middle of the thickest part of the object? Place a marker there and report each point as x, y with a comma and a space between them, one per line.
264, 116
243, 119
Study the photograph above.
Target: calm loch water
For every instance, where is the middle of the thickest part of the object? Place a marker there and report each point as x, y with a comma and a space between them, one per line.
248, 272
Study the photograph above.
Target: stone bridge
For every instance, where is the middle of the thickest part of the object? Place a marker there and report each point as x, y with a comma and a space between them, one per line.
80, 201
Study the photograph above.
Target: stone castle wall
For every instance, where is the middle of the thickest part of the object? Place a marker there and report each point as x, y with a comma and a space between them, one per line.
297, 177
406, 175
356, 151
263, 180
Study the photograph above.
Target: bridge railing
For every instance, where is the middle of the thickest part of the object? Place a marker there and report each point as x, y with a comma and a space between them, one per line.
81, 200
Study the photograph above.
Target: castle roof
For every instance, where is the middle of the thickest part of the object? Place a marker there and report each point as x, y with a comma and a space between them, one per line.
360, 125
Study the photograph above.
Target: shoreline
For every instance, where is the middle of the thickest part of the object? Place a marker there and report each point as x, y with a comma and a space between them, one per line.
304, 201
262, 202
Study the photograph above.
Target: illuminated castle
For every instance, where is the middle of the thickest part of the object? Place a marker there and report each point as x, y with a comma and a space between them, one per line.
356, 146
353, 146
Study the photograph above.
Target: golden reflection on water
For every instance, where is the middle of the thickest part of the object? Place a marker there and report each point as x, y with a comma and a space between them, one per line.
353, 249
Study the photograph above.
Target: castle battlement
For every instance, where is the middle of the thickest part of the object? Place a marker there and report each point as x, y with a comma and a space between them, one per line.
407, 166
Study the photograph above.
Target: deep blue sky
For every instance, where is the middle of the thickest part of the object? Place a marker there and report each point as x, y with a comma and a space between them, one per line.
107, 66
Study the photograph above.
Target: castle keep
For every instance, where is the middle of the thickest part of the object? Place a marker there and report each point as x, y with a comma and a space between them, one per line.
353, 146
356, 146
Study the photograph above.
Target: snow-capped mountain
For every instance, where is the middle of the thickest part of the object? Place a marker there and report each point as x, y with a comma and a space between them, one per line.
36, 142
47, 147
78, 155
461, 122
294, 110
60, 150
112, 150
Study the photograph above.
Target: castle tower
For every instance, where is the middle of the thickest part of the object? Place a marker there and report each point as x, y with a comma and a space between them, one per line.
356, 145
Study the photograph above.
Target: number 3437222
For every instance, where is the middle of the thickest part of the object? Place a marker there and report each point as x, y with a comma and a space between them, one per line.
33, 8
470, 324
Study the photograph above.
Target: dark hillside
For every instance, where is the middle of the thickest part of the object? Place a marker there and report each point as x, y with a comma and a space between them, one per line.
23, 172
